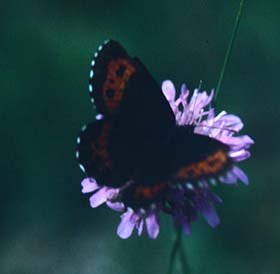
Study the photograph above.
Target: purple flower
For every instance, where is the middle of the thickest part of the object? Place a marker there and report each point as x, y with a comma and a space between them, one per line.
130, 219
197, 111
183, 201
101, 194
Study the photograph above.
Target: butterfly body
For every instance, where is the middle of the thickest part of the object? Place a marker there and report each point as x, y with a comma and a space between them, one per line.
137, 140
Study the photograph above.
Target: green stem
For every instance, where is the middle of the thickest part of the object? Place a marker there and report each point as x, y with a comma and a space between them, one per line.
230, 45
175, 248
178, 248
184, 262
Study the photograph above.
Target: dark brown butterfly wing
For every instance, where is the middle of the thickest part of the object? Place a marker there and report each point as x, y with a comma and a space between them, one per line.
188, 159
110, 71
134, 108
94, 156
198, 157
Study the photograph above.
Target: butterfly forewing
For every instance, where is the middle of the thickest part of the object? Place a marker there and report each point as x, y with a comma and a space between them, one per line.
141, 129
133, 103
110, 70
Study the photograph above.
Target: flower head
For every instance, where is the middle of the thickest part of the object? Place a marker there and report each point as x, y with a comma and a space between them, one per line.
183, 201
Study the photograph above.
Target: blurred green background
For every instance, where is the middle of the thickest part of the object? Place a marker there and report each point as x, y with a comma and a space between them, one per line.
47, 226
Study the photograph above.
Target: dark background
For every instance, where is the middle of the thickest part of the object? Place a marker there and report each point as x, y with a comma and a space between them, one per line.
47, 226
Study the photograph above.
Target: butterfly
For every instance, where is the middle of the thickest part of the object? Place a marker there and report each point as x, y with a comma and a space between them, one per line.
135, 144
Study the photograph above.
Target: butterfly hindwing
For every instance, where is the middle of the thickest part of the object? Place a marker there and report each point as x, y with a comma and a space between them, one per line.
198, 156
138, 195
187, 158
94, 155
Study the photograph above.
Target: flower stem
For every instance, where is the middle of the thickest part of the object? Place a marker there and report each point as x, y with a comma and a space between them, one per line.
174, 251
230, 45
178, 247
183, 257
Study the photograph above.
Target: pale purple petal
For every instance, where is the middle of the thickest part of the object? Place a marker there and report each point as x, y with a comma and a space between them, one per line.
185, 225
237, 142
89, 185
215, 197
210, 215
207, 209
184, 89
232, 121
139, 226
126, 225
183, 96
117, 206
246, 140
211, 114
152, 225
100, 196
210, 97
239, 155
220, 115
168, 90
240, 174
199, 101
229, 178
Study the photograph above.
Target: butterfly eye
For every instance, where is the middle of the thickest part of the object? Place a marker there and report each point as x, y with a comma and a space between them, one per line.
121, 70
110, 93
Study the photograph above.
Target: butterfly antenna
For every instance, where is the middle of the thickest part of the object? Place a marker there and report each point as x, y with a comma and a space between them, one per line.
229, 49
200, 85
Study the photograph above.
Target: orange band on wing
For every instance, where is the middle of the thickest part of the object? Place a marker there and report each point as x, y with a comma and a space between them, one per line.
212, 165
149, 192
118, 73
100, 148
